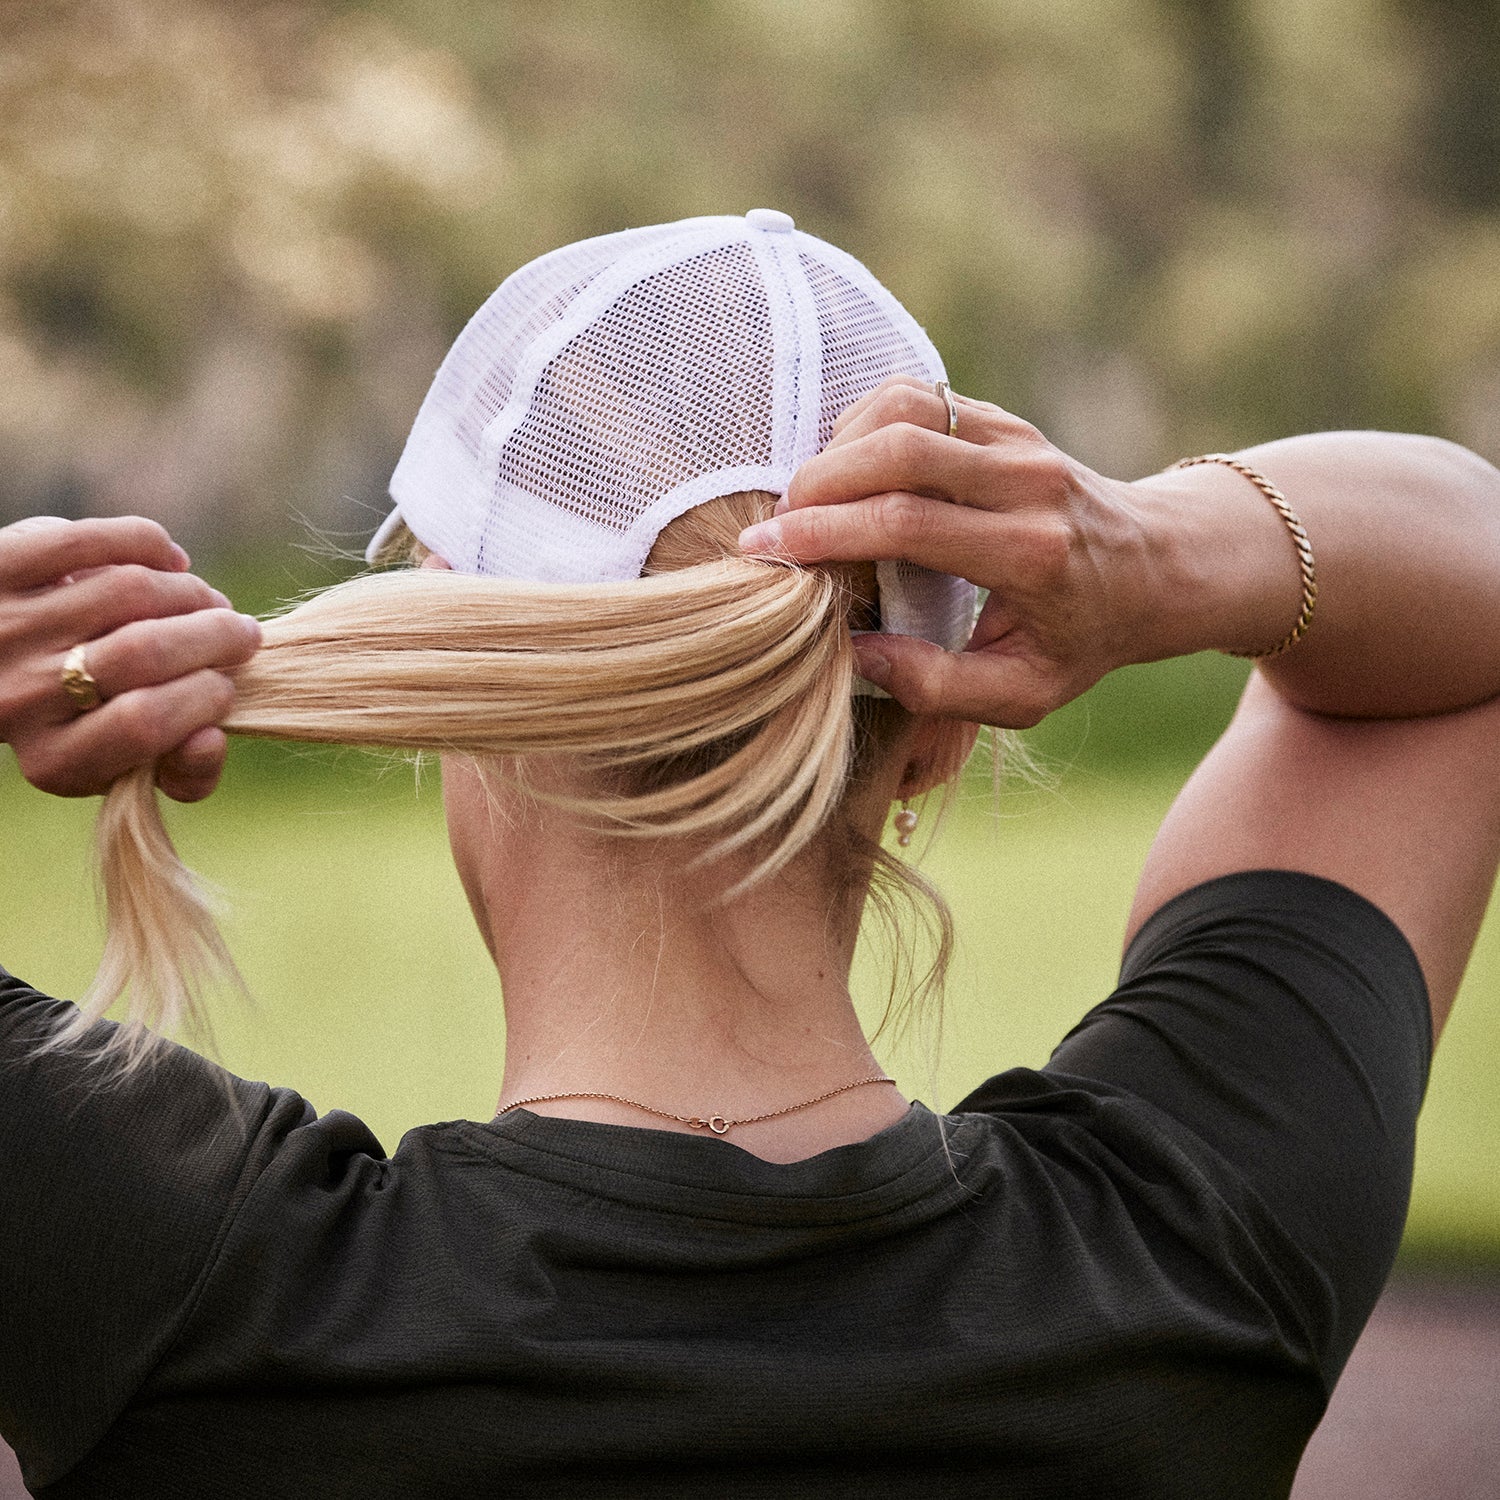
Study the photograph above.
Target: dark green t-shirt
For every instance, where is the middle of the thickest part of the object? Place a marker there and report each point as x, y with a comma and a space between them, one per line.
1136, 1272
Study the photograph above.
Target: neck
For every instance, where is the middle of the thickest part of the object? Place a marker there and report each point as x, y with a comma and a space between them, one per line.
620, 979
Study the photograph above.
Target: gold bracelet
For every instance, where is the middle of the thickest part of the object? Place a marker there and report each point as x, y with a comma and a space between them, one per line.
1299, 538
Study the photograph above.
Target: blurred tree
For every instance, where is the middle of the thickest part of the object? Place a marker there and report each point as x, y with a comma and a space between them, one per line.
236, 237
1459, 149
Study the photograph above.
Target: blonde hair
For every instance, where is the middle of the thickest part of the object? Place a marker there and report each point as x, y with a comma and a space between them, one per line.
708, 700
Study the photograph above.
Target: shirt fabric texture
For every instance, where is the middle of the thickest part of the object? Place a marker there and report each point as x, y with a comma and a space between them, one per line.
1134, 1272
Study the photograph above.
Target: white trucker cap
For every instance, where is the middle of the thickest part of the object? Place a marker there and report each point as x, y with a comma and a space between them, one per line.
613, 384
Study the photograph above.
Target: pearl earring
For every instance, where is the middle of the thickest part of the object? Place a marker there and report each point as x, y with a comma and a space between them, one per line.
906, 824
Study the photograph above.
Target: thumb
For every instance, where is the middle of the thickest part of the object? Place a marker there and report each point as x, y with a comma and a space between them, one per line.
984, 687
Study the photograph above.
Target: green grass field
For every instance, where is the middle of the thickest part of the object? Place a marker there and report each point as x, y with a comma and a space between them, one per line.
373, 993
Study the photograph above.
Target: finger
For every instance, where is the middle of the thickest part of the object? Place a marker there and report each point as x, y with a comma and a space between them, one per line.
853, 413
1008, 473
978, 421
904, 400
31, 554
147, 652
92, 607
932, 533
84, 757
900, 456
191, 771
923, 409
34, 523
983, 687
918, 402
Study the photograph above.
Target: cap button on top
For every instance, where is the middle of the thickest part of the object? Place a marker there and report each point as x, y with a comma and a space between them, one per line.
770, 219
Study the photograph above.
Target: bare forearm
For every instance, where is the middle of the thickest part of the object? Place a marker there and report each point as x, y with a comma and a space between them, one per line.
1406, 532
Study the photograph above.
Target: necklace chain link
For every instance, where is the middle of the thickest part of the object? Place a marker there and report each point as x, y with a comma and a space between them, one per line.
718, 1124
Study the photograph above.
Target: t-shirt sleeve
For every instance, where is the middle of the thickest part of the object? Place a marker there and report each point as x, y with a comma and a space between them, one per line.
114, 1192
1283, 1021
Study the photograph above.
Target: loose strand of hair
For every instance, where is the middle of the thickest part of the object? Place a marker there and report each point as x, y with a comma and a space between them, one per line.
163, 950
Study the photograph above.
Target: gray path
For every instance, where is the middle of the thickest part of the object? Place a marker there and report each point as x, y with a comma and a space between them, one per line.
1416, 1416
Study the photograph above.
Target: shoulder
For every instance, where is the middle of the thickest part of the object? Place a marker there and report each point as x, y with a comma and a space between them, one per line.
1273, 1028
115, 1192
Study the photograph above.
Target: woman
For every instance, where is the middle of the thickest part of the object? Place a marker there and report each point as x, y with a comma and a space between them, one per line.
1135, 1272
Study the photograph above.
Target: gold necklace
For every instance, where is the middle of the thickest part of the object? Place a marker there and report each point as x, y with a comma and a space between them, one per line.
716, 1123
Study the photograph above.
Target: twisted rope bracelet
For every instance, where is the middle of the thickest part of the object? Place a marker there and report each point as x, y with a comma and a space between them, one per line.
1299, 539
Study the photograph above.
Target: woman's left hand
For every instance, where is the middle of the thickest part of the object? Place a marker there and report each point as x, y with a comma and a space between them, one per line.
1075, 588
157, 644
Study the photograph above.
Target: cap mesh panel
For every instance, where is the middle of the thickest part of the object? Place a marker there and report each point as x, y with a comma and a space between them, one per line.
861, 345
672, 382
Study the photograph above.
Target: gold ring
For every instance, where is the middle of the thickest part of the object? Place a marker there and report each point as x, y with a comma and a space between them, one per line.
946, 392
76, 681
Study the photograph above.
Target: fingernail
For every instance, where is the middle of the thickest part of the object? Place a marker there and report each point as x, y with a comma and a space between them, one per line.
764, 536
253, 625
180, 557
873, 664
781, 507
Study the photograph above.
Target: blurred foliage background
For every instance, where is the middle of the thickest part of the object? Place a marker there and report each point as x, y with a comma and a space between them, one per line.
236, 238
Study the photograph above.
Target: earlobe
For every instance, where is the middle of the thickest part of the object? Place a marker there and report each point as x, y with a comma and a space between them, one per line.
940, 748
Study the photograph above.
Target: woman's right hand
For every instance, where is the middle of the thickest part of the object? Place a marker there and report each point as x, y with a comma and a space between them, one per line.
158, 642
1074, 584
